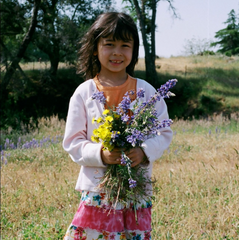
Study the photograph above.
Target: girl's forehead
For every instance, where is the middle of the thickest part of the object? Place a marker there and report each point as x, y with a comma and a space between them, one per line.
112, 37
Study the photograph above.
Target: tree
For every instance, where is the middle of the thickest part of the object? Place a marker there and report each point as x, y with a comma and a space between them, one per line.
197, 46
145, 12
22, 48
229, 36
13, 23
61, 24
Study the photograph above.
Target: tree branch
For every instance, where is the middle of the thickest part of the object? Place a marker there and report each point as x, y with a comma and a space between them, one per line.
73, 16
9, 53
22, 48
173, 9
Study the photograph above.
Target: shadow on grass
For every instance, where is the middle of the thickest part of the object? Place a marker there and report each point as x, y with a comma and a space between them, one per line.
187, 92
225, 77
194, 98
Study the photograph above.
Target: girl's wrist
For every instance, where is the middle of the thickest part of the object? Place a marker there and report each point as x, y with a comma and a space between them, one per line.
102, 156
145, 160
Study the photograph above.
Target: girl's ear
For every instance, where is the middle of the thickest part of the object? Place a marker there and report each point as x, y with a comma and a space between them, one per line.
95, 53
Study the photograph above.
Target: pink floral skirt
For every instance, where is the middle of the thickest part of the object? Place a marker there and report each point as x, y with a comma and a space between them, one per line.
95, 219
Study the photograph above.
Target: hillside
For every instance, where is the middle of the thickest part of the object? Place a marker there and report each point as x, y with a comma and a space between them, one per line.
207, 86
214, 81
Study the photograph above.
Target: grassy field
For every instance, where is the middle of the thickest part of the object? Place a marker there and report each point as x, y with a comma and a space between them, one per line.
197, 188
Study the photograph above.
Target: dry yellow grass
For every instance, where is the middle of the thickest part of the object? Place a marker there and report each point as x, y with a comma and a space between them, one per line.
177, 64
197, 182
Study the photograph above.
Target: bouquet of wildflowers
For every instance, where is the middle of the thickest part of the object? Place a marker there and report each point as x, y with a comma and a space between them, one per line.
117, 129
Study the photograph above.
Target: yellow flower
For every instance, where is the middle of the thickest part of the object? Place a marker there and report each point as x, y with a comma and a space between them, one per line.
93, 120
95, 139
106, 111
104, 133
99, 120
107, 146
116, 115
109, 118
95, 132
107, 125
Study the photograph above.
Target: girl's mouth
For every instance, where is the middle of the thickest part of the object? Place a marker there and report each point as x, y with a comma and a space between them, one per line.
115, 61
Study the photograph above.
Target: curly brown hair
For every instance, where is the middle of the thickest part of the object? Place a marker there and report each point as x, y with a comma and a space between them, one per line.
121, 26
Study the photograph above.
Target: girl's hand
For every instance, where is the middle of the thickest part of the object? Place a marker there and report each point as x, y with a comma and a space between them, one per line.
112, 157
137, 156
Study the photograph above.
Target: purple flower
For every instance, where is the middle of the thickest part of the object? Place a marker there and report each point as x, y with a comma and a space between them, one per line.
125, 118
123, 160
132, 139
127, 162
114, 135
99, 96
135, 138
132, 183
140, 93
164, 89
124, 105
165, 123
4, 157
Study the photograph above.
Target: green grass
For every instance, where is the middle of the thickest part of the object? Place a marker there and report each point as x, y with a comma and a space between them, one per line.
207, 84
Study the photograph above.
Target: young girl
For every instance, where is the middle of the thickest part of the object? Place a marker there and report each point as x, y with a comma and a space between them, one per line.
108, 54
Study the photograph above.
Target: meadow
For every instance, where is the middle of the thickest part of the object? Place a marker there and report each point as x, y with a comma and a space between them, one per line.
196, 192
197, 188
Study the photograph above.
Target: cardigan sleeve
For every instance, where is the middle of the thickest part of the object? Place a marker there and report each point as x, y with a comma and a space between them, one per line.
75, 142
154, 147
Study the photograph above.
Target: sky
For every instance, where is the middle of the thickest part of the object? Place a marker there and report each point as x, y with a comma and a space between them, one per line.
199, 19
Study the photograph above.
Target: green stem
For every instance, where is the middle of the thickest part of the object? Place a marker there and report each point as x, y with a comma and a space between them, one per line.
135, 214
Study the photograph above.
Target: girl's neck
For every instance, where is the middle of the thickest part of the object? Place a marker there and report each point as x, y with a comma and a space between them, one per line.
112, 80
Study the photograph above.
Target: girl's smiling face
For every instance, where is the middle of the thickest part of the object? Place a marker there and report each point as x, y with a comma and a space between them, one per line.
114, 55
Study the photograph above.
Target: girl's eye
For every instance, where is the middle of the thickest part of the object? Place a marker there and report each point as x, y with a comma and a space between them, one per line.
126, 45
109, 44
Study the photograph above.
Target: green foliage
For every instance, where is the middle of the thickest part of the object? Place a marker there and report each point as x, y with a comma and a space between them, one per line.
37, 96
13, 25
61, 24
202, 92
116, 184
229, 36
186, 91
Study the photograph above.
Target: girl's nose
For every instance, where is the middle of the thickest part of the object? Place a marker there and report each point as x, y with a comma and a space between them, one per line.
117, 52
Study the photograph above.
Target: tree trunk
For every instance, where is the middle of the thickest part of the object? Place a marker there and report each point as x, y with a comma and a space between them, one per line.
54, 60
21, 51
9, 54
151, 68
151, 74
